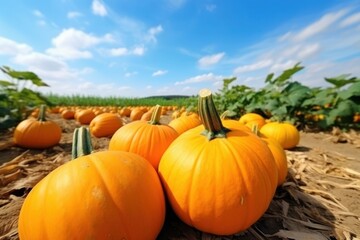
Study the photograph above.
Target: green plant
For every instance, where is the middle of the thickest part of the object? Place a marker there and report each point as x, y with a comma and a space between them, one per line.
18, 96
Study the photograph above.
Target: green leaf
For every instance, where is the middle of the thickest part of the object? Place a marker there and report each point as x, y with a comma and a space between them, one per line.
353, 90
269, 77
24, 75
341, 80
296, 93
287, 74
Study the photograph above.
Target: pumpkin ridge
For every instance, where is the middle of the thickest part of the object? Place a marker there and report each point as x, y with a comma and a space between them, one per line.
99, 172
231, 150
198, 161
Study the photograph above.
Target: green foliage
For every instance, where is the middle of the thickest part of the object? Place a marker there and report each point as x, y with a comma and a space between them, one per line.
282, 99
18, 97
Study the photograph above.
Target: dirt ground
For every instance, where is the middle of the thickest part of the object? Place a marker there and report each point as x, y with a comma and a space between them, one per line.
319, 200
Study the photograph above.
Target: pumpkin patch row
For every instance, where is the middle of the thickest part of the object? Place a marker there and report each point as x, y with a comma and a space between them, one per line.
219, 175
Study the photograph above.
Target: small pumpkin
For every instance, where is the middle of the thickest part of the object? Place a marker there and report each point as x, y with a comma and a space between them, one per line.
68, 114
218, 180
285, 133
250, 119
148, 139
37, 133
105, 125
136, 114
184, 123
85, 116
278, 153
103, 195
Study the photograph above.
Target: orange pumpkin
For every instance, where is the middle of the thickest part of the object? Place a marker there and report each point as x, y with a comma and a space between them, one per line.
85, 116
278, 153
285, 133
104, 195
105, 125
37, 133
136, 114
250, 119
184, 123
218, 180
148, 139
68, 114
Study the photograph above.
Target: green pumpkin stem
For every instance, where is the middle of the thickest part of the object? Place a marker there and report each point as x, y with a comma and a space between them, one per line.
210, 117
42, 113
255, 129
155, 116
81, 142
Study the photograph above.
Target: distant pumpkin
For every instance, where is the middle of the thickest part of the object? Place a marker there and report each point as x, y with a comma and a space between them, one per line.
37, 133
105, 124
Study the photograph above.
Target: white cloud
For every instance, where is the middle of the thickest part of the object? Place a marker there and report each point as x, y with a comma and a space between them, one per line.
210, 77
130, 74
12, 48
353, 19
138, 51
119, 51
41, 23
39, 61
123, 51
255, 66
285, 36
124, 88
37, 13
210, 7
281, 66
70, 42
319, 26
152, 32
309, 50
159, 73
98, 8
176, 3
210, 59
72, 15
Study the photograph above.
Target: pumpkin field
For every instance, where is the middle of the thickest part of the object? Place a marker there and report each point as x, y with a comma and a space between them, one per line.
279, 162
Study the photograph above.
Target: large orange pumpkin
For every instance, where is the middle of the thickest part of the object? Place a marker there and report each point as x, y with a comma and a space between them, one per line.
105, 124
104, 195
218, 180
285, 133
37, 133
148, 139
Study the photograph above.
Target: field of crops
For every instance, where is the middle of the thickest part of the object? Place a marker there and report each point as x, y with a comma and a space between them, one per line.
280, 162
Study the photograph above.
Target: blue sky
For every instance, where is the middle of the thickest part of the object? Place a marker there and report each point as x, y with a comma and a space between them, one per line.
135, 48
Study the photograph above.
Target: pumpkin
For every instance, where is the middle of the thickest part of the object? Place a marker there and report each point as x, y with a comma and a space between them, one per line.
278, 153
136, 114
218, 180
249, 119
103, 195
184, 123
85, 116
148, 139
105, 125
147, 116
68, 114
37, 133
285, 133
